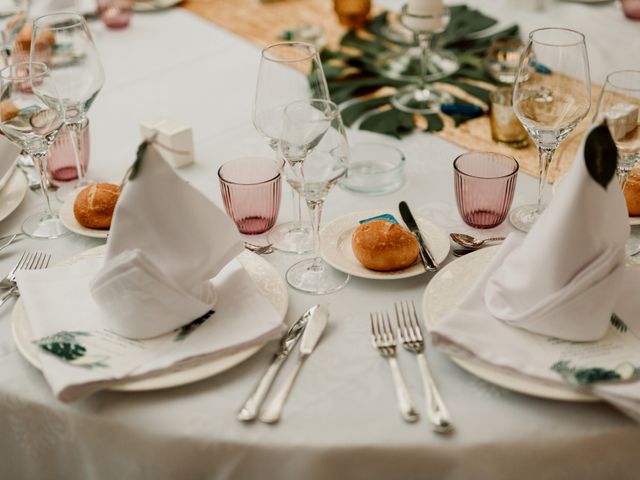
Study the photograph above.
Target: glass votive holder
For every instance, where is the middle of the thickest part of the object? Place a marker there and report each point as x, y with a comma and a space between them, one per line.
250, 190
505, 125
502, 59
352, 13
115, 14
631, 9
374, 169
484, 187
62, 166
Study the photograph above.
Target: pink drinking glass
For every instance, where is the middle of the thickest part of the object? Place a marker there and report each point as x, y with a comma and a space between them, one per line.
61, 163
250, 190
115, 13
631, 9
484, 185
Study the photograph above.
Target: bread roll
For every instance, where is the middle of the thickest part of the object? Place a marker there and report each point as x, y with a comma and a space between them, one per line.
8, 110
384, 246
44, 40
632, 193
94, 205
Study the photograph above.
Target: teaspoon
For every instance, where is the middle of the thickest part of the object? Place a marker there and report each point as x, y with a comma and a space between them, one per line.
467, 241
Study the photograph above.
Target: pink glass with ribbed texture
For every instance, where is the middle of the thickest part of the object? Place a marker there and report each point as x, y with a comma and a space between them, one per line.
484, 185
61, 162
250, 190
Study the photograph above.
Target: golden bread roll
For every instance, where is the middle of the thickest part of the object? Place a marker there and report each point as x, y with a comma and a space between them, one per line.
44, 40
384, 246
94, 205
632, 193
8, 110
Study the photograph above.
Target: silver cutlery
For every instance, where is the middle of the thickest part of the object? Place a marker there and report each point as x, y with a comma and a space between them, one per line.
249, 410
384, 341
259, 249
427, 258
470, 242
312, 333
28, 261
412, 340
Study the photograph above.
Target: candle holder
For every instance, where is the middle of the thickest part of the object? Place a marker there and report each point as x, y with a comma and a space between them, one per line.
406, 64
422, 97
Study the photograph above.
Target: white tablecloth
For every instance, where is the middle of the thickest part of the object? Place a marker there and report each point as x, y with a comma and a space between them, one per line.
341, 420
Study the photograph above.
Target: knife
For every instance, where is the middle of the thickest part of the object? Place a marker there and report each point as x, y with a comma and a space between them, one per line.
315, 326
249, 410
426, 256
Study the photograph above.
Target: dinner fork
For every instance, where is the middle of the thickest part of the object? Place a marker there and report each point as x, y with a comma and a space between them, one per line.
28, 261
412, 339
384, 341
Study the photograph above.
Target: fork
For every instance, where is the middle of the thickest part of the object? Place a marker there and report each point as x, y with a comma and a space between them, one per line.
384, 341
412, 340
28, 261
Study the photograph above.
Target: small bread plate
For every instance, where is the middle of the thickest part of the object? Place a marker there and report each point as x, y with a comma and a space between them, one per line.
12, 194
69, 220
445, 290
153, 5
266, 278
335, 245
634, 221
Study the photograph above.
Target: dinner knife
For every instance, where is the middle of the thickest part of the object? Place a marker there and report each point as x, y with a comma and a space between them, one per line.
426, 256
249, 410
312, 332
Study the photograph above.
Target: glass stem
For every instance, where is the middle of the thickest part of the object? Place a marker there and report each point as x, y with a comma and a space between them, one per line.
424, 42
40, 160
315, 214
74, 131
545, 156
297, 208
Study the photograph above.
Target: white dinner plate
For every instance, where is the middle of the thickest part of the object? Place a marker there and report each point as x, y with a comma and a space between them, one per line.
445, 290
335, 244
12, 194
266, 278
152, 5
69, 220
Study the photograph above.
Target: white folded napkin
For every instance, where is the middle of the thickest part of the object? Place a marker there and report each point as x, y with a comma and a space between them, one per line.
166, 241
61, 312
562, 280
9, 151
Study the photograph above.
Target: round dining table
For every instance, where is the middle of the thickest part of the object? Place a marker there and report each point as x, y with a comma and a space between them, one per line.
341, 420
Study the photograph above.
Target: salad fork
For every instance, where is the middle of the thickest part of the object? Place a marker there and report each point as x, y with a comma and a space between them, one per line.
412, 340
28, 261
384, 341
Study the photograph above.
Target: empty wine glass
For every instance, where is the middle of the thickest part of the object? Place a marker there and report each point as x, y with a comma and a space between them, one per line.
75, 68
551, 95
13, 15
33, 125
289, 71
314, 147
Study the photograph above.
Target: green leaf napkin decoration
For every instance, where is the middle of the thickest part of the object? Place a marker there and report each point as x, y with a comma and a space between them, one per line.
601, 155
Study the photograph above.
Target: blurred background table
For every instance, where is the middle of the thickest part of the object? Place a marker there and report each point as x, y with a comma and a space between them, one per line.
341, 420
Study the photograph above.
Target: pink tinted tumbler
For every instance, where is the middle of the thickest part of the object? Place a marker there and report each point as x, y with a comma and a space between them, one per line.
484, 185
61, 162
250, 190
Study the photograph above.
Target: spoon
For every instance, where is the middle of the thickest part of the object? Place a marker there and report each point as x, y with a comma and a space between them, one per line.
467, 241
258, 249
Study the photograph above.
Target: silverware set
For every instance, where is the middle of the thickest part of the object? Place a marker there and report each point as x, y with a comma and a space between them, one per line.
308, 328
27, 261
411, 338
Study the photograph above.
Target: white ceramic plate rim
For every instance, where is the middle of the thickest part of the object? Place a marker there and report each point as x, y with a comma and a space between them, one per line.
634, 220
69, 220
153, 5
268, 281
465, 270
12, 194
330, 236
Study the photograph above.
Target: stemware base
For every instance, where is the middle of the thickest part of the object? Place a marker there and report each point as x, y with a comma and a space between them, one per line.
415, 99
291, 237
44, 225
315, 276
405, 65
523, 217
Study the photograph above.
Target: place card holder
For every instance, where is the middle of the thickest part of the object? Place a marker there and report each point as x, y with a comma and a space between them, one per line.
177, 140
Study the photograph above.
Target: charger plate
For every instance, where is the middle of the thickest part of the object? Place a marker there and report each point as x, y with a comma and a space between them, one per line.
12, 193
267, 280
445, 290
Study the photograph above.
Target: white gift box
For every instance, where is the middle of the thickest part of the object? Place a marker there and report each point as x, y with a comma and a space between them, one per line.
174, 140
622, 119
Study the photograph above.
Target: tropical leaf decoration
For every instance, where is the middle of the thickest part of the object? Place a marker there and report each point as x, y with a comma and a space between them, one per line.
186, 330
585, 376
601, 155
618, 324
356, 80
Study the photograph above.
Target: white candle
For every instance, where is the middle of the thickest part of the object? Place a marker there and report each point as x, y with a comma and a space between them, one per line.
429, 9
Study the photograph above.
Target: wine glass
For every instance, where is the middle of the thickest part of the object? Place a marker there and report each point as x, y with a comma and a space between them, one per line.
289, 71
75, 68
33, 125
551, 95
13, 15
313, 145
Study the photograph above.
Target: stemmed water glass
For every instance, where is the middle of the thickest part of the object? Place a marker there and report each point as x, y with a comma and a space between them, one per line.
551, 95
314, 147
75, 68
289, 71
13, 15
33, 125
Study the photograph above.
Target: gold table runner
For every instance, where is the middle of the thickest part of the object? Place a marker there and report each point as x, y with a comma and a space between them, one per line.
261, 22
